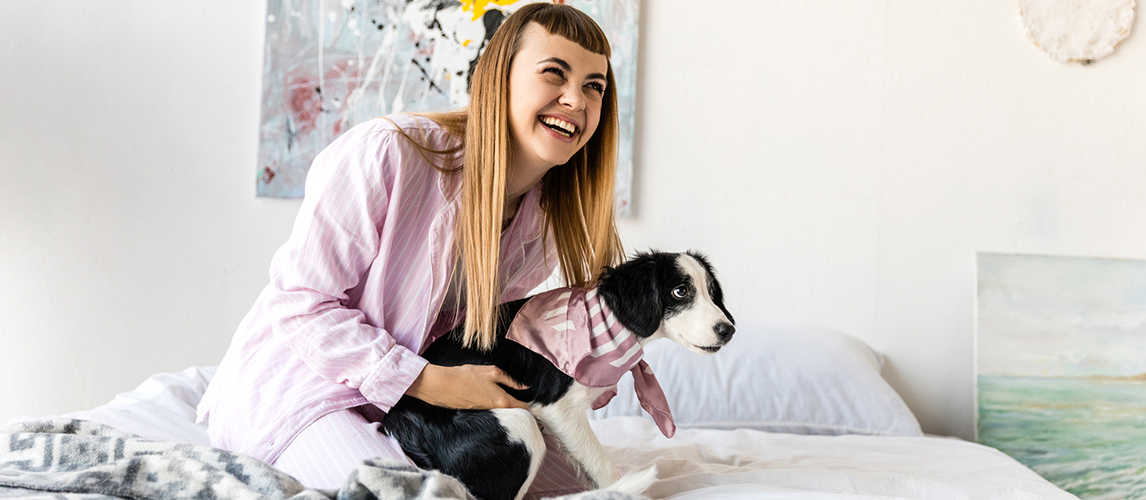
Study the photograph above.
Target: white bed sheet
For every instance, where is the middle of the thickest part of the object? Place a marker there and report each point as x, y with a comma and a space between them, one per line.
708, 464
750, 464
162, 408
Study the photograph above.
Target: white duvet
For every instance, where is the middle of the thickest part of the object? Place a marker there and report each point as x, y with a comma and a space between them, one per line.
697, 463
748, 464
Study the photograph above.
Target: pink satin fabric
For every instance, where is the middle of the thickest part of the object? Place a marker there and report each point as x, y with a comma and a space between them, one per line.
576, 331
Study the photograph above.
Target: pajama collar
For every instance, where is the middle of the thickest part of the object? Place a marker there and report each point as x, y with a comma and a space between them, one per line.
576, 331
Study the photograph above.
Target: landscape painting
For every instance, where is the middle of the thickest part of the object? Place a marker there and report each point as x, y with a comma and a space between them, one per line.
1061, 344
331, 64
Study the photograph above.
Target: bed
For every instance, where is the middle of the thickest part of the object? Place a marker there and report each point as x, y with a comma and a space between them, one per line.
782, 413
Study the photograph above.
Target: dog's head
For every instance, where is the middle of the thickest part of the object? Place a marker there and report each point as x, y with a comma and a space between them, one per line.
670, 295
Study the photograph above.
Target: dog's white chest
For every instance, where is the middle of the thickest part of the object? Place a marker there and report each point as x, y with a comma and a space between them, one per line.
567, 420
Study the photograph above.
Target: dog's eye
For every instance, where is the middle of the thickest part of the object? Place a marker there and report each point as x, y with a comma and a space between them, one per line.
680, 292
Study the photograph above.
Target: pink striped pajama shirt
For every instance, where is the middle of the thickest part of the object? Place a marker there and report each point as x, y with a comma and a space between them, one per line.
355, 292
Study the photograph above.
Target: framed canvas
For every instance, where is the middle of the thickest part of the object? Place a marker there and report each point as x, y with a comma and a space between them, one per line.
331, 64
1061, 383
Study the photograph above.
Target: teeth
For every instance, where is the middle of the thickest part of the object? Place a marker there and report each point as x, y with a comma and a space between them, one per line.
561, 125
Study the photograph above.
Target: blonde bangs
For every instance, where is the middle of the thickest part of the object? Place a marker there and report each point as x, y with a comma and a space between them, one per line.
575, 26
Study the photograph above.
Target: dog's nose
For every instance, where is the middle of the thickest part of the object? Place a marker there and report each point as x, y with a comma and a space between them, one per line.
724, 331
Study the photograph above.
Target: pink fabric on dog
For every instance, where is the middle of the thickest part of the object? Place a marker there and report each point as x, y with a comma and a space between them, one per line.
576, 331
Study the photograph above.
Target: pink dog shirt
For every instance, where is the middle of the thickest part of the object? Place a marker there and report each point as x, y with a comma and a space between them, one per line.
578, 333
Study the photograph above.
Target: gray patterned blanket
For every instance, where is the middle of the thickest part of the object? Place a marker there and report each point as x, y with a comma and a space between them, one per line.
82, 460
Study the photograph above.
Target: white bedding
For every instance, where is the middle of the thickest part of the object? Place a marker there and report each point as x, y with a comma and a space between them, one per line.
698, 463
749, 464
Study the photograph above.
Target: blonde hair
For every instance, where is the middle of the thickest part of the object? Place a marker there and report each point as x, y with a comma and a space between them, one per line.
576, 197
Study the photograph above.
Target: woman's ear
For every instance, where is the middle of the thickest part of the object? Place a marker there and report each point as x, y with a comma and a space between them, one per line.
630, 290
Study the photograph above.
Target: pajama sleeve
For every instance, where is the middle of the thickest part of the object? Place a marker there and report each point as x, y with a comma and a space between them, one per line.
334, 242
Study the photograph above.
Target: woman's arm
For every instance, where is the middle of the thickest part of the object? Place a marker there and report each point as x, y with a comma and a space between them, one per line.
334, 242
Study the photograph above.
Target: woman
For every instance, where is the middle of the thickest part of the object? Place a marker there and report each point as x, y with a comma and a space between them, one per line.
410, 223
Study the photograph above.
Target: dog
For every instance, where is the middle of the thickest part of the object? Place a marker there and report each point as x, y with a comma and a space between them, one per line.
569, 346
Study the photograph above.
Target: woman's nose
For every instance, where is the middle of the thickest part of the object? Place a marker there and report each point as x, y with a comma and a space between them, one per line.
573, 99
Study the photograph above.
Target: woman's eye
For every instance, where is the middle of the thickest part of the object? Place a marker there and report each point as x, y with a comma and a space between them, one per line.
680, 292
555, 71
600, 89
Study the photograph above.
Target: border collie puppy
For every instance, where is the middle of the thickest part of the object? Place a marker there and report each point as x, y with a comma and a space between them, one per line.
570, 346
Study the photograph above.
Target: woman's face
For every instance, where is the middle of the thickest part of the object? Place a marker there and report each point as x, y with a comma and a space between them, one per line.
555, 92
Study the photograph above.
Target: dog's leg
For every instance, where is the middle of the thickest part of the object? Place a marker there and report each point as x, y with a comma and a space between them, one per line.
522, 428
566, 419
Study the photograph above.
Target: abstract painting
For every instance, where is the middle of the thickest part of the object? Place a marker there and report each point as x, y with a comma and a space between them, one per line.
1062, 369
331, 64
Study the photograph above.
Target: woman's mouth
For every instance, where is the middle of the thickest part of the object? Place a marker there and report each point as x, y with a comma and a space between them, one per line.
560, 126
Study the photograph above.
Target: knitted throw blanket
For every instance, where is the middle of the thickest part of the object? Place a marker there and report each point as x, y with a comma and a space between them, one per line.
81, 460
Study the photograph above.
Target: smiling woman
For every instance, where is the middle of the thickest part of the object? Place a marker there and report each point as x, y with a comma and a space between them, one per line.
555, 101
411, 223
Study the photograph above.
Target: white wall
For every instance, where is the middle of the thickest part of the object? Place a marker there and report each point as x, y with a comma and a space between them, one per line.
841, 163
130, 238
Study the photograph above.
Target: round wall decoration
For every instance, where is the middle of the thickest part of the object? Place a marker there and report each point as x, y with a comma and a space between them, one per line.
1076, 30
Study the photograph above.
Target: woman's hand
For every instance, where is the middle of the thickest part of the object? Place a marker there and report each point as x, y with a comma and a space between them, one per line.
465, 387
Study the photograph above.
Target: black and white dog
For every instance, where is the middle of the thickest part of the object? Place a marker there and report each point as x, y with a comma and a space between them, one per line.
598, 332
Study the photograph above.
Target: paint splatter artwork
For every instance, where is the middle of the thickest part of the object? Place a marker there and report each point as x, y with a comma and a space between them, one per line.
1062, 369
331, 64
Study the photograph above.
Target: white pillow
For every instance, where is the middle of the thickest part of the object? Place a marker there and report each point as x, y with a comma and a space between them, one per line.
779, 379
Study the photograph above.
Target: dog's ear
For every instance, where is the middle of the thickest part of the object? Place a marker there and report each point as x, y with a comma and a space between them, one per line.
630, 290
